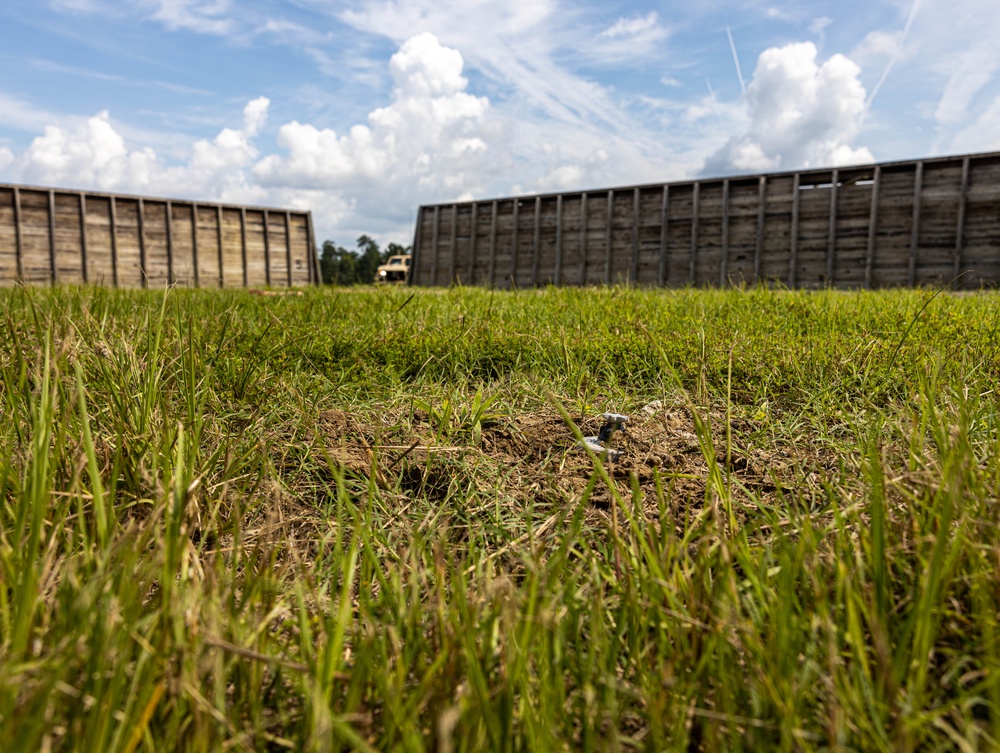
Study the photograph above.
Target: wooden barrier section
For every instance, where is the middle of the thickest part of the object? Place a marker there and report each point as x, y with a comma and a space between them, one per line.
51, 236
923, 222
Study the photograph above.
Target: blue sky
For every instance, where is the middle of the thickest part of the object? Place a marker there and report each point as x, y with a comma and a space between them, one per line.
361, 111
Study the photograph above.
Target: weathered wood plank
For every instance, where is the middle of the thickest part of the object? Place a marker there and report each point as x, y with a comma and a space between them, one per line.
634, 278
83, 237
831, 247
872, 228
143, 266
963, 200
918, 184
435, 240
114, 241
609, 236
559, 240
494, 209
220, 247
471, 265
53, 267
453, 245
724, 266
243, 246
758, 256
537, 241
18, 234
694, 231
793, 253
664, 213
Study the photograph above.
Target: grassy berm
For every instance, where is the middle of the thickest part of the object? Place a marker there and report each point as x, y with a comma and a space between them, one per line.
361, 520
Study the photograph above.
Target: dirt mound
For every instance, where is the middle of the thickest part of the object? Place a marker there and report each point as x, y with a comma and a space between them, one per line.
535, 457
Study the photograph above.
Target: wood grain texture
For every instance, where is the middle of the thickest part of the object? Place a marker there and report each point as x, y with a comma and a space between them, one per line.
51, 235
921, 222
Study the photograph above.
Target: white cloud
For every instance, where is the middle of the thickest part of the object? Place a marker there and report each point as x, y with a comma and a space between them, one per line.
630, 27
200, 16
20, 115
254, 116
91, 154
983, 134
433, 132
801, 114
627, 39
968, 73
433, 141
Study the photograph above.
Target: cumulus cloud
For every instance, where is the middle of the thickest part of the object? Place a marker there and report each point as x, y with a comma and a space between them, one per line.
434, 138
800, 113
255, 116
92, 153
433, 141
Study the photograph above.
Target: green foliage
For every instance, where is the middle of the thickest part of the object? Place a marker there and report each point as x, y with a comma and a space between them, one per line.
226, 522
340, 266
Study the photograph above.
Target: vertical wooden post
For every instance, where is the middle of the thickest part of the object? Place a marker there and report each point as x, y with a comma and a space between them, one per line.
194, 245
434, 244
583, 239
83, 237
512, 279
170, 242
243, 246
963, 195
114, 242
315, 277
18, 234
454, 244
664, 236
219, 247
793, 251
724, 266
635, 237
831, 242
559, 240
473, 231
758, 252
288, 245
536, 242
610, 237
142, 244
694, 231
494, 210
411, 278
267, 248
918, 185
872, 223
53, 267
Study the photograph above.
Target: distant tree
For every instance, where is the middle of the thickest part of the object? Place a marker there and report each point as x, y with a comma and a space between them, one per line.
394, 249
369, 258
337, 265
341, 266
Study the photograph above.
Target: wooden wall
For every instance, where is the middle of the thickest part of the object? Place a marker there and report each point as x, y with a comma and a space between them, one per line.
922, 222
58, 236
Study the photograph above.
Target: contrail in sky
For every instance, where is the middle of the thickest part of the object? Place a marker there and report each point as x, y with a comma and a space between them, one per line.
736, 59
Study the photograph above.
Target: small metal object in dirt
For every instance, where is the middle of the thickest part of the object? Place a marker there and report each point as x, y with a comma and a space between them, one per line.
612, 422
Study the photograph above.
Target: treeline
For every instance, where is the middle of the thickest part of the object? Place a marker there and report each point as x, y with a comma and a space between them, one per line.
342, 266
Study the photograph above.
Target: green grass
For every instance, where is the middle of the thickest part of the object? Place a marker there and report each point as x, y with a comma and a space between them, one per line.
356, 520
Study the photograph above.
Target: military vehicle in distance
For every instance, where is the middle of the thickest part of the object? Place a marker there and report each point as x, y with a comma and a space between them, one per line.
395, 271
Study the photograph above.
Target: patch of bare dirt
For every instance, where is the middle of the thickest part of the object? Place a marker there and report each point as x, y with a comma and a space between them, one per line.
538, 458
